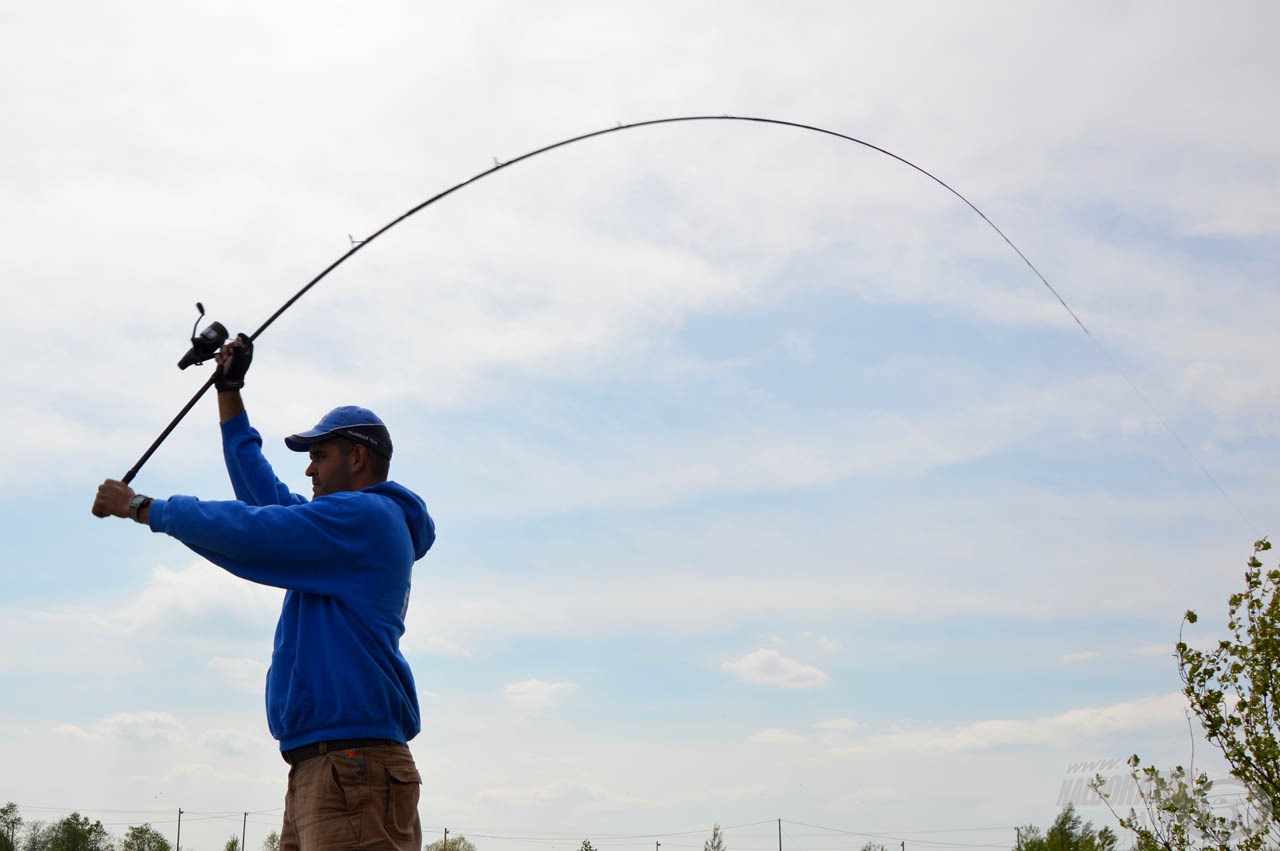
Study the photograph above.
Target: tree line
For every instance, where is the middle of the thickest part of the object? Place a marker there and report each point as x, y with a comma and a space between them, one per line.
78, 833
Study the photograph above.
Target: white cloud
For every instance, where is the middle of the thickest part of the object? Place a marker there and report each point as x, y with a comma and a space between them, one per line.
1081, 656
846, 564
553, 794
768, 667
808, 640
536, 694
790, 450
146, 728
838, 724
237, 742
200, 598
1076, 724
776, 736
200, 610
242, 674
430, 645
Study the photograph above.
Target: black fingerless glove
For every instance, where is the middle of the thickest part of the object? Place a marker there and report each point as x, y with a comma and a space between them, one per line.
231, 372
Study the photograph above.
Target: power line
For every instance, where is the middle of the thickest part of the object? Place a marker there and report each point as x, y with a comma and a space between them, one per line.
188, 815
900, 836
538, 836
541, 837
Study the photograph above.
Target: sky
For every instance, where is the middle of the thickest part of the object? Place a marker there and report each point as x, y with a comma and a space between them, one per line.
770, 483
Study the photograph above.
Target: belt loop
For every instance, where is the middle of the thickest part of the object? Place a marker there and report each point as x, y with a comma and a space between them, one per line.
324, 748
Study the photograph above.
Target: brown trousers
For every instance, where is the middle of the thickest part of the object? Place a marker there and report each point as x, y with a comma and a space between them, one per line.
364, 799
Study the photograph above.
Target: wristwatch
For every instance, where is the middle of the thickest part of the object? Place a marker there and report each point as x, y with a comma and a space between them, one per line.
136, 504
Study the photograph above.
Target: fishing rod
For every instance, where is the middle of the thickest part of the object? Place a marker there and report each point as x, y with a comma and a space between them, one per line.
205, 345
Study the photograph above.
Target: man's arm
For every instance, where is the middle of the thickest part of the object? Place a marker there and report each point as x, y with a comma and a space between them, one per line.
336, 546
233, 362
323, 547
229, 405
251, 476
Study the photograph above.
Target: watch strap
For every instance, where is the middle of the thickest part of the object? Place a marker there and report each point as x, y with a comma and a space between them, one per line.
136, 504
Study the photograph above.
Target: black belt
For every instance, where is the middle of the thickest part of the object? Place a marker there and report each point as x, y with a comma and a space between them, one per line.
293, 756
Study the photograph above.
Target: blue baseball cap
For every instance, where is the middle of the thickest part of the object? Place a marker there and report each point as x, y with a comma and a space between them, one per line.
359, 424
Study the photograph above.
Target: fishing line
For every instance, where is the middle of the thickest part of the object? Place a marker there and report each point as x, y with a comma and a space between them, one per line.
359, 245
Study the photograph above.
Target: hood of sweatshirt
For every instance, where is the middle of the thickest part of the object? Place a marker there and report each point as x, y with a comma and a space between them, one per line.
422, 529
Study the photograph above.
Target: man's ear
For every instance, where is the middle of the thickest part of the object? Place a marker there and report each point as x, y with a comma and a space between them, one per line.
359, 457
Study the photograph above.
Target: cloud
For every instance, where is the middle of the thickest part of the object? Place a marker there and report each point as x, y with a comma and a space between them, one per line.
553, 794
776, 736
837, 724
242, 674
536, 694
236, 742
200, 610
1057, 730
136, 728
431, 645
795, 445
1081, 656
199, 599
767, 667
808, 640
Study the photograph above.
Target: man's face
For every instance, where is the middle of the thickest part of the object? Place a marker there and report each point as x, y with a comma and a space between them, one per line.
330, 468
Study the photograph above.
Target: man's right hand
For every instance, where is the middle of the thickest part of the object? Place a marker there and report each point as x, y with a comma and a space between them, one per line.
112, 499
233, 362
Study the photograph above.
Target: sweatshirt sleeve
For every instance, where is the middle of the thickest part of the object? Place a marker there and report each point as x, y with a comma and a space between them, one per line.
316, 547
251, 475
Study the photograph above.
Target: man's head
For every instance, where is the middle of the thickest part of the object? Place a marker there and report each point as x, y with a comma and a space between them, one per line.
350, 449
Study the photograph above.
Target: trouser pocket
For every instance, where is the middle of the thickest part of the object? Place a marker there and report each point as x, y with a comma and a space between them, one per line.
403, 786
350, 773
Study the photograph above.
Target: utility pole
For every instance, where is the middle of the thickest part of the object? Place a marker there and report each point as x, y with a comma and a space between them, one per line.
243, 822
779, 834
177, 843
446, 839
1018, 839
656, 845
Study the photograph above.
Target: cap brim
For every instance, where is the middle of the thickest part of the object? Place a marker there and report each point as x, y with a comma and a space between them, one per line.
302, 441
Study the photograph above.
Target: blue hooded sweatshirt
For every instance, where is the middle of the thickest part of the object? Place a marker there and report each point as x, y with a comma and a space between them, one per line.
345, 561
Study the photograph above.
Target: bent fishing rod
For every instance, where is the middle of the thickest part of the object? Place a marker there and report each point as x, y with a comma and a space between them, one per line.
205, 344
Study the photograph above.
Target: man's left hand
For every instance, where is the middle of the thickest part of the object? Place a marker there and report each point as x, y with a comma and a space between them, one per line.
233, 362
113, 499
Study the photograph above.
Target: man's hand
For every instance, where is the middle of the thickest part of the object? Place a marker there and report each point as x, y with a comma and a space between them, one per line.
113, 499
233, 362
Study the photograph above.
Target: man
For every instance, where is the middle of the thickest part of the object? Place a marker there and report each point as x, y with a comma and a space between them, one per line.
340, 696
